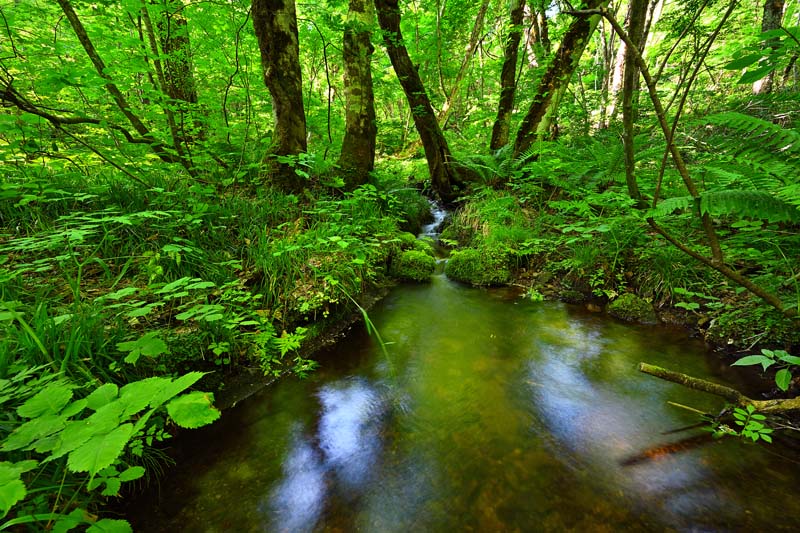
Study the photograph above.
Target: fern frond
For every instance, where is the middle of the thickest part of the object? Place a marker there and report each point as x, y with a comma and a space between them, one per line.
771, 137
757, 205
670, 205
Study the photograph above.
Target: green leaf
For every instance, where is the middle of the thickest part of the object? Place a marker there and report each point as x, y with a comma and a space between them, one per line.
783, 378
102, 395
173, 388
132, 473
193, 410
12, 489
742, 62
790, 359
766, 438
100, 451
107, 525
78, 432
49, 400
74, 408
149, 345
766, 362
113, 484
32, 430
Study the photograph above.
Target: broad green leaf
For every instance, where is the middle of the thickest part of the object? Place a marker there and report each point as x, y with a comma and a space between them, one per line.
131, 473
137, 395
113, 485
72, 520
742, 62
193, 410
783, 378
100, 451
32, 430
107, 525
791, 359
102, 395
122, 293
173, 388
149, 345
78, 432
12, 488
74, 408
766, 362
49, 400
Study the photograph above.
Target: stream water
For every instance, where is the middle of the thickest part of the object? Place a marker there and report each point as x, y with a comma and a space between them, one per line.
490, 413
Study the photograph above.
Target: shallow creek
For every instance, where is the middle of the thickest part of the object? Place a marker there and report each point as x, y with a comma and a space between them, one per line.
490, 413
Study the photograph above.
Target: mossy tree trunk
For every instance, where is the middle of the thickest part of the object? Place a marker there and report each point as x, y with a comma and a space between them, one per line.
637, 13
275, 25
508, 77
173, 30
358, 147
553, 84
446, 176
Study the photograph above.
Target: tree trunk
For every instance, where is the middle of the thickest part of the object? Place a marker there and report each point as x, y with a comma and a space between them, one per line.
173, 30
637, 13
537, 35
773, 16
447, 108
446, 176
553, 84
508, 80
275, 25
358, 147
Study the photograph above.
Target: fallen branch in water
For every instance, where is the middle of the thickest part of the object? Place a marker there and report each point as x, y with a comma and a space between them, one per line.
777, 406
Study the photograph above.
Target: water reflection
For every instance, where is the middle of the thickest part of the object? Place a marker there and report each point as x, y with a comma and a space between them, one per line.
297, 500
345, 450
491, 416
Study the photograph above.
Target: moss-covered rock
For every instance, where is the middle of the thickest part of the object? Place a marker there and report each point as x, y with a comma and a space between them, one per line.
424, 245
479, 267
632, 308
413, 265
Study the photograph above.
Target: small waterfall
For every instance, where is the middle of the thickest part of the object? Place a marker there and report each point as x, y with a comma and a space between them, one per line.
434, 228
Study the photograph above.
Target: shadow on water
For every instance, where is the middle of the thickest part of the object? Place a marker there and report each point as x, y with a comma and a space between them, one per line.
495, 414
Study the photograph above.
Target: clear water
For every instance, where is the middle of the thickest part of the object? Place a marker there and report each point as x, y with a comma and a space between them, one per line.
491, 413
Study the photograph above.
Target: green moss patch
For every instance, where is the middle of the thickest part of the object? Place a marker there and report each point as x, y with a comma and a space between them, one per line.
413, 265
479, 267
632, 308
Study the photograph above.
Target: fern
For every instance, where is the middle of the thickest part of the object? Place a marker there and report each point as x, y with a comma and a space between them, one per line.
770, 136
757, 205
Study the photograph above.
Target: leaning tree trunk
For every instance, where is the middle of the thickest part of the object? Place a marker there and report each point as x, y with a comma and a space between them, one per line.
358, 147
275, 25
552, 86
637, 13
773, 16
446, 176
508, 77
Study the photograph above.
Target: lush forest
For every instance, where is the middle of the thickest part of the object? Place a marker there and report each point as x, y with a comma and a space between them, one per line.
194, 191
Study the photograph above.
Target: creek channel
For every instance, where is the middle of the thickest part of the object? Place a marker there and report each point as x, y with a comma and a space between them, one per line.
488, 412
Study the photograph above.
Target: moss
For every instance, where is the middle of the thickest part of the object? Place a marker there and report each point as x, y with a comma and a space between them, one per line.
424, 246
407, 240
632, 308
413, 265
479, 267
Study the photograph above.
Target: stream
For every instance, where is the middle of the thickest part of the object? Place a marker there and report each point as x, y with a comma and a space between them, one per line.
488, 412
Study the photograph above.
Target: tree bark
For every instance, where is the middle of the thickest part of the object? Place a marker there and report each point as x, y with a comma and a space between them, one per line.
447, 108
508, 80
637, 13
773, 16
554, 82
446, 176
180, 84
358, 147
275, 25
